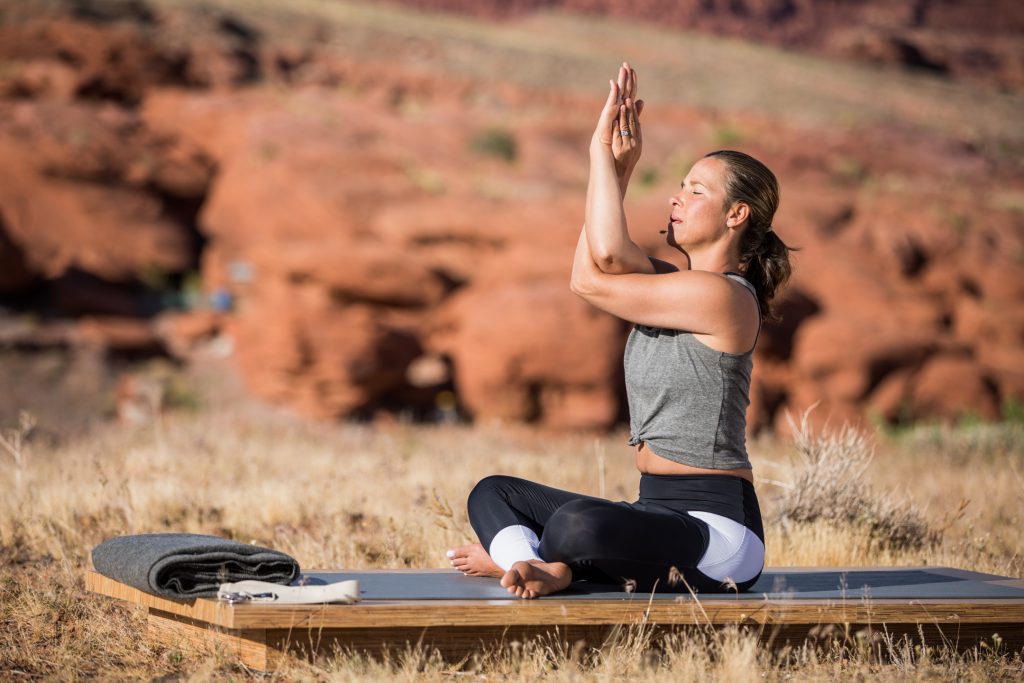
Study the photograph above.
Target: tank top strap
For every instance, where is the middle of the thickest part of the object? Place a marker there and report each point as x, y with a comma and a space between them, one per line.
746, 283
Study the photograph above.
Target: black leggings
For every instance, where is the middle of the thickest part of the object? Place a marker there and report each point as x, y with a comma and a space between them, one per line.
637, 543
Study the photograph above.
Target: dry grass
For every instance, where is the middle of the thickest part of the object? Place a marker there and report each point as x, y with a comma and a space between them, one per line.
829, 486
358, 496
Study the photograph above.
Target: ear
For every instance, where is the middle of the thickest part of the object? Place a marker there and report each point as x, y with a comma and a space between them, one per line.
737, 214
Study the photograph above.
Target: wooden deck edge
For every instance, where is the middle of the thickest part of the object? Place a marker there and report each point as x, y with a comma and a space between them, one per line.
210, 611
191, 635
514, 612
265, 650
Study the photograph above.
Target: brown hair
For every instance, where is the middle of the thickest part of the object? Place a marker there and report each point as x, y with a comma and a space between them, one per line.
764, 257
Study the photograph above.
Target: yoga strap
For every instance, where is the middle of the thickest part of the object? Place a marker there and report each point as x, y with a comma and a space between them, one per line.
264, 591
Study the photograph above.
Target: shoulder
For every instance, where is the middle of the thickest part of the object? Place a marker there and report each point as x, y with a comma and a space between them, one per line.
743, 287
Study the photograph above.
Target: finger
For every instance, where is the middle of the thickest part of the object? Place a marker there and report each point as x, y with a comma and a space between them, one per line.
623, 79
620, 125
628, 123
611, 107
613, 94
635, 83
638, 130
608, 113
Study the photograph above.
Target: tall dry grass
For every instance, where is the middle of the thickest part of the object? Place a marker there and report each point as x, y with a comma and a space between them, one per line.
358, 496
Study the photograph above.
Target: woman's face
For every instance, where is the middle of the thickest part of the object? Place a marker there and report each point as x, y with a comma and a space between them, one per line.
698, 209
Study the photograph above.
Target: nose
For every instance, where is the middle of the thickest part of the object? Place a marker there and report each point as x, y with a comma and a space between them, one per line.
676, 199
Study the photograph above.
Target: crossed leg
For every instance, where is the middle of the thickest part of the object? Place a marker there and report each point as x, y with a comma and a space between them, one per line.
537, 539
517, 511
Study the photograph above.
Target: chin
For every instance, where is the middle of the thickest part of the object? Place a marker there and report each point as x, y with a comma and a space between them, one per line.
670, 237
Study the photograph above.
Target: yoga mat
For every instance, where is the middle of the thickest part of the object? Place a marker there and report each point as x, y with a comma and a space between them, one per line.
850, 584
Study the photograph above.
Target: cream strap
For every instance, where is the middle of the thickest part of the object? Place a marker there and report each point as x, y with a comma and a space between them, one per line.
266, 592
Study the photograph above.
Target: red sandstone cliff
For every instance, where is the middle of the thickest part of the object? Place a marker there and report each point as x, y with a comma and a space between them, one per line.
980, 41
357, 218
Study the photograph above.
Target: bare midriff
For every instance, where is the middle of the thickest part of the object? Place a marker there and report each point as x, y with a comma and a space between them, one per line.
649, 462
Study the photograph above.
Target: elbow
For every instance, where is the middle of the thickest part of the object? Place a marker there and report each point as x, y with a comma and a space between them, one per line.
609, 264
581, 286
605, 261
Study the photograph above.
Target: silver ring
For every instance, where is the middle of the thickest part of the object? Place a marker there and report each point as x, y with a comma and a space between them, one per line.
624, 133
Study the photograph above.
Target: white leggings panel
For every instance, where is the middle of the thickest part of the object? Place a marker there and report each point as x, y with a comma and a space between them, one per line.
734, 551
513, 544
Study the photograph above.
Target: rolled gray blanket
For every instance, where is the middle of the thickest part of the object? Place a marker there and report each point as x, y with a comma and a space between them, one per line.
184, 566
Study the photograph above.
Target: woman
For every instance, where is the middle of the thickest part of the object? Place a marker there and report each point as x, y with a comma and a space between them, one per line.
697, 524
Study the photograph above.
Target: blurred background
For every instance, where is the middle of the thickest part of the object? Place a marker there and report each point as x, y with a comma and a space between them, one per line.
368, 210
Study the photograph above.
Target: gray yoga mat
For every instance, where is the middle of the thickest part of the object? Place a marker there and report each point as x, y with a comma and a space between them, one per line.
185, 566
937, 582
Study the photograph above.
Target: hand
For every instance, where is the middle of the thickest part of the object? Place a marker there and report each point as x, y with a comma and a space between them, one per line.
621, 113
626, 148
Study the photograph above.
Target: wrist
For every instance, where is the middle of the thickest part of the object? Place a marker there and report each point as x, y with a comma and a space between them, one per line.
599, 148
624, 175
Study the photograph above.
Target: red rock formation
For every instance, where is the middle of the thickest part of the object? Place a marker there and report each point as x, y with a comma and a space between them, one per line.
353, 221
980, 41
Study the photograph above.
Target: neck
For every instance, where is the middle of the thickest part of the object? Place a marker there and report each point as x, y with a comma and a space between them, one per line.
714, 258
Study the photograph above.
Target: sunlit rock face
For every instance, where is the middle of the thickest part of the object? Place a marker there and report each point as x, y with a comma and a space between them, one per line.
381, 235
977, 41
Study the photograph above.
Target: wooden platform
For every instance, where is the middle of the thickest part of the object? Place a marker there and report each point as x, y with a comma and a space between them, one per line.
460, 615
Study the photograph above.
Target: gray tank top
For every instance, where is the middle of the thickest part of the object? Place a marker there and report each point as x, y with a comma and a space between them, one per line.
687, 401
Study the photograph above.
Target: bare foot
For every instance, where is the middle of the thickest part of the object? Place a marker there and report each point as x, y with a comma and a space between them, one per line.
473, 560
534, 578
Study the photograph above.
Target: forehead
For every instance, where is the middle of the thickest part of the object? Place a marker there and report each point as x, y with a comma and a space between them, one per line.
708, 170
